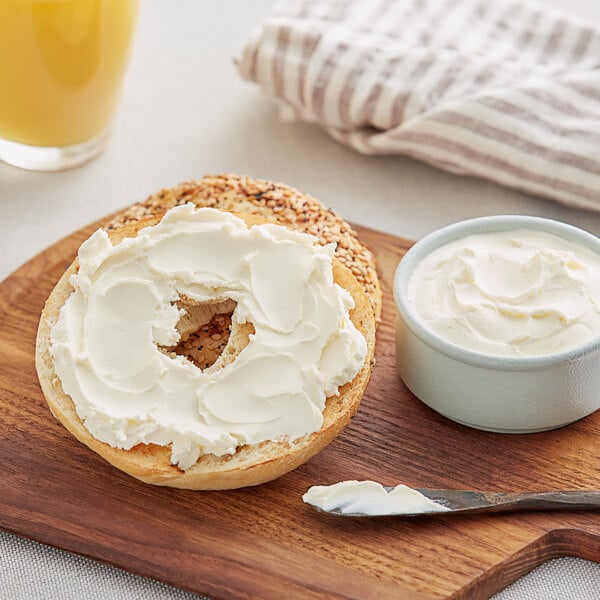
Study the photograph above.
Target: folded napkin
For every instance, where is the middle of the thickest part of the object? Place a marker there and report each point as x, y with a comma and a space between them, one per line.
502, 89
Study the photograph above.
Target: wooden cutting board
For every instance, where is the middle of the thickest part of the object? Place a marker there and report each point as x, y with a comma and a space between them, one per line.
264, 542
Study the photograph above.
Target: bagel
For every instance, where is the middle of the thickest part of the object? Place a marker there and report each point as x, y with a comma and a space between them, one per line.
272, 201
250, 463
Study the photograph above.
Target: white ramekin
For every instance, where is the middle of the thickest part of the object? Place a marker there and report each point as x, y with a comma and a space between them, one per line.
494, 393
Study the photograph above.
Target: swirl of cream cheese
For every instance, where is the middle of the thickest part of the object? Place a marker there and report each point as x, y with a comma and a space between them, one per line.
106, 343
509, 293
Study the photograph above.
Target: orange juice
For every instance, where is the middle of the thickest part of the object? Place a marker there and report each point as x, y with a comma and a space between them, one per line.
61, 67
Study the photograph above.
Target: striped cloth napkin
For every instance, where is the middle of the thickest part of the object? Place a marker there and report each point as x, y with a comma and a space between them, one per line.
508, 90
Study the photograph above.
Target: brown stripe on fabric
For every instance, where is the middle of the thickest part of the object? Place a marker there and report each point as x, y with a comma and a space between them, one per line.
526, 36
485, 75
369, 134
436, 93
411, 80
433, 22
509, 138
582, 45
361, 66
585, 90
279, 59
552, 43
408, 19
559, 104
535, 118
500, 164
500, 30
349, 88
321, 82
373, 97
477, 78
530, 187
308, 48
251, 58
248, 64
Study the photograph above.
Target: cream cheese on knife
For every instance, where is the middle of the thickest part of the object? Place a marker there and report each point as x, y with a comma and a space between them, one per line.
370, 498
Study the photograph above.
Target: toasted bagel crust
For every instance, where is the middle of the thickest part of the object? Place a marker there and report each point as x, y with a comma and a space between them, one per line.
251, 464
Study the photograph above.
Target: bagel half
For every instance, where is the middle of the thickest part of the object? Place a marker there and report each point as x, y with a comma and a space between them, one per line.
251, 464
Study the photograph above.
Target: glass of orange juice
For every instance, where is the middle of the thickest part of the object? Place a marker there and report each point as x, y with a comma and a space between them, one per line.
61, 67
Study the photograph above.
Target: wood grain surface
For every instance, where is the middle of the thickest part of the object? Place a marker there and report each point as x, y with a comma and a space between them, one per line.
264, 542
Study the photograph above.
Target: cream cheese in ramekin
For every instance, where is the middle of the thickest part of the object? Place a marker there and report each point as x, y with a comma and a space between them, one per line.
509, 293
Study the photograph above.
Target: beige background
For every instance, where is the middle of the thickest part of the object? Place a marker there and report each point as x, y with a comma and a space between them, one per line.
185, 112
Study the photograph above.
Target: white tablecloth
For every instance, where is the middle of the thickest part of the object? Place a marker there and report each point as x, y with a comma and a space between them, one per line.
185, 112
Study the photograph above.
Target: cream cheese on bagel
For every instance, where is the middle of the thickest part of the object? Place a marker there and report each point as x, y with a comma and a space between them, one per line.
110, 343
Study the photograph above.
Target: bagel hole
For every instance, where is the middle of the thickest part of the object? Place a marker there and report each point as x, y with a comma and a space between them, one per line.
208, 339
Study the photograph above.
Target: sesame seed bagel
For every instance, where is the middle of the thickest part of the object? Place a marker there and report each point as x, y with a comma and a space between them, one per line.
251, 464
272, 201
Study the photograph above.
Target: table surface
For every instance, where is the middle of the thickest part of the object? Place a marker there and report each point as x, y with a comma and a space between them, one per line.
185, 112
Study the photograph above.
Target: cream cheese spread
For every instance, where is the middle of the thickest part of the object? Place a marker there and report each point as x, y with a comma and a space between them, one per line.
370, 498
109, 341
509, 293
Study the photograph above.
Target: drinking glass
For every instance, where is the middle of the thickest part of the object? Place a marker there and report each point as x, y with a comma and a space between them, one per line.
61, 67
